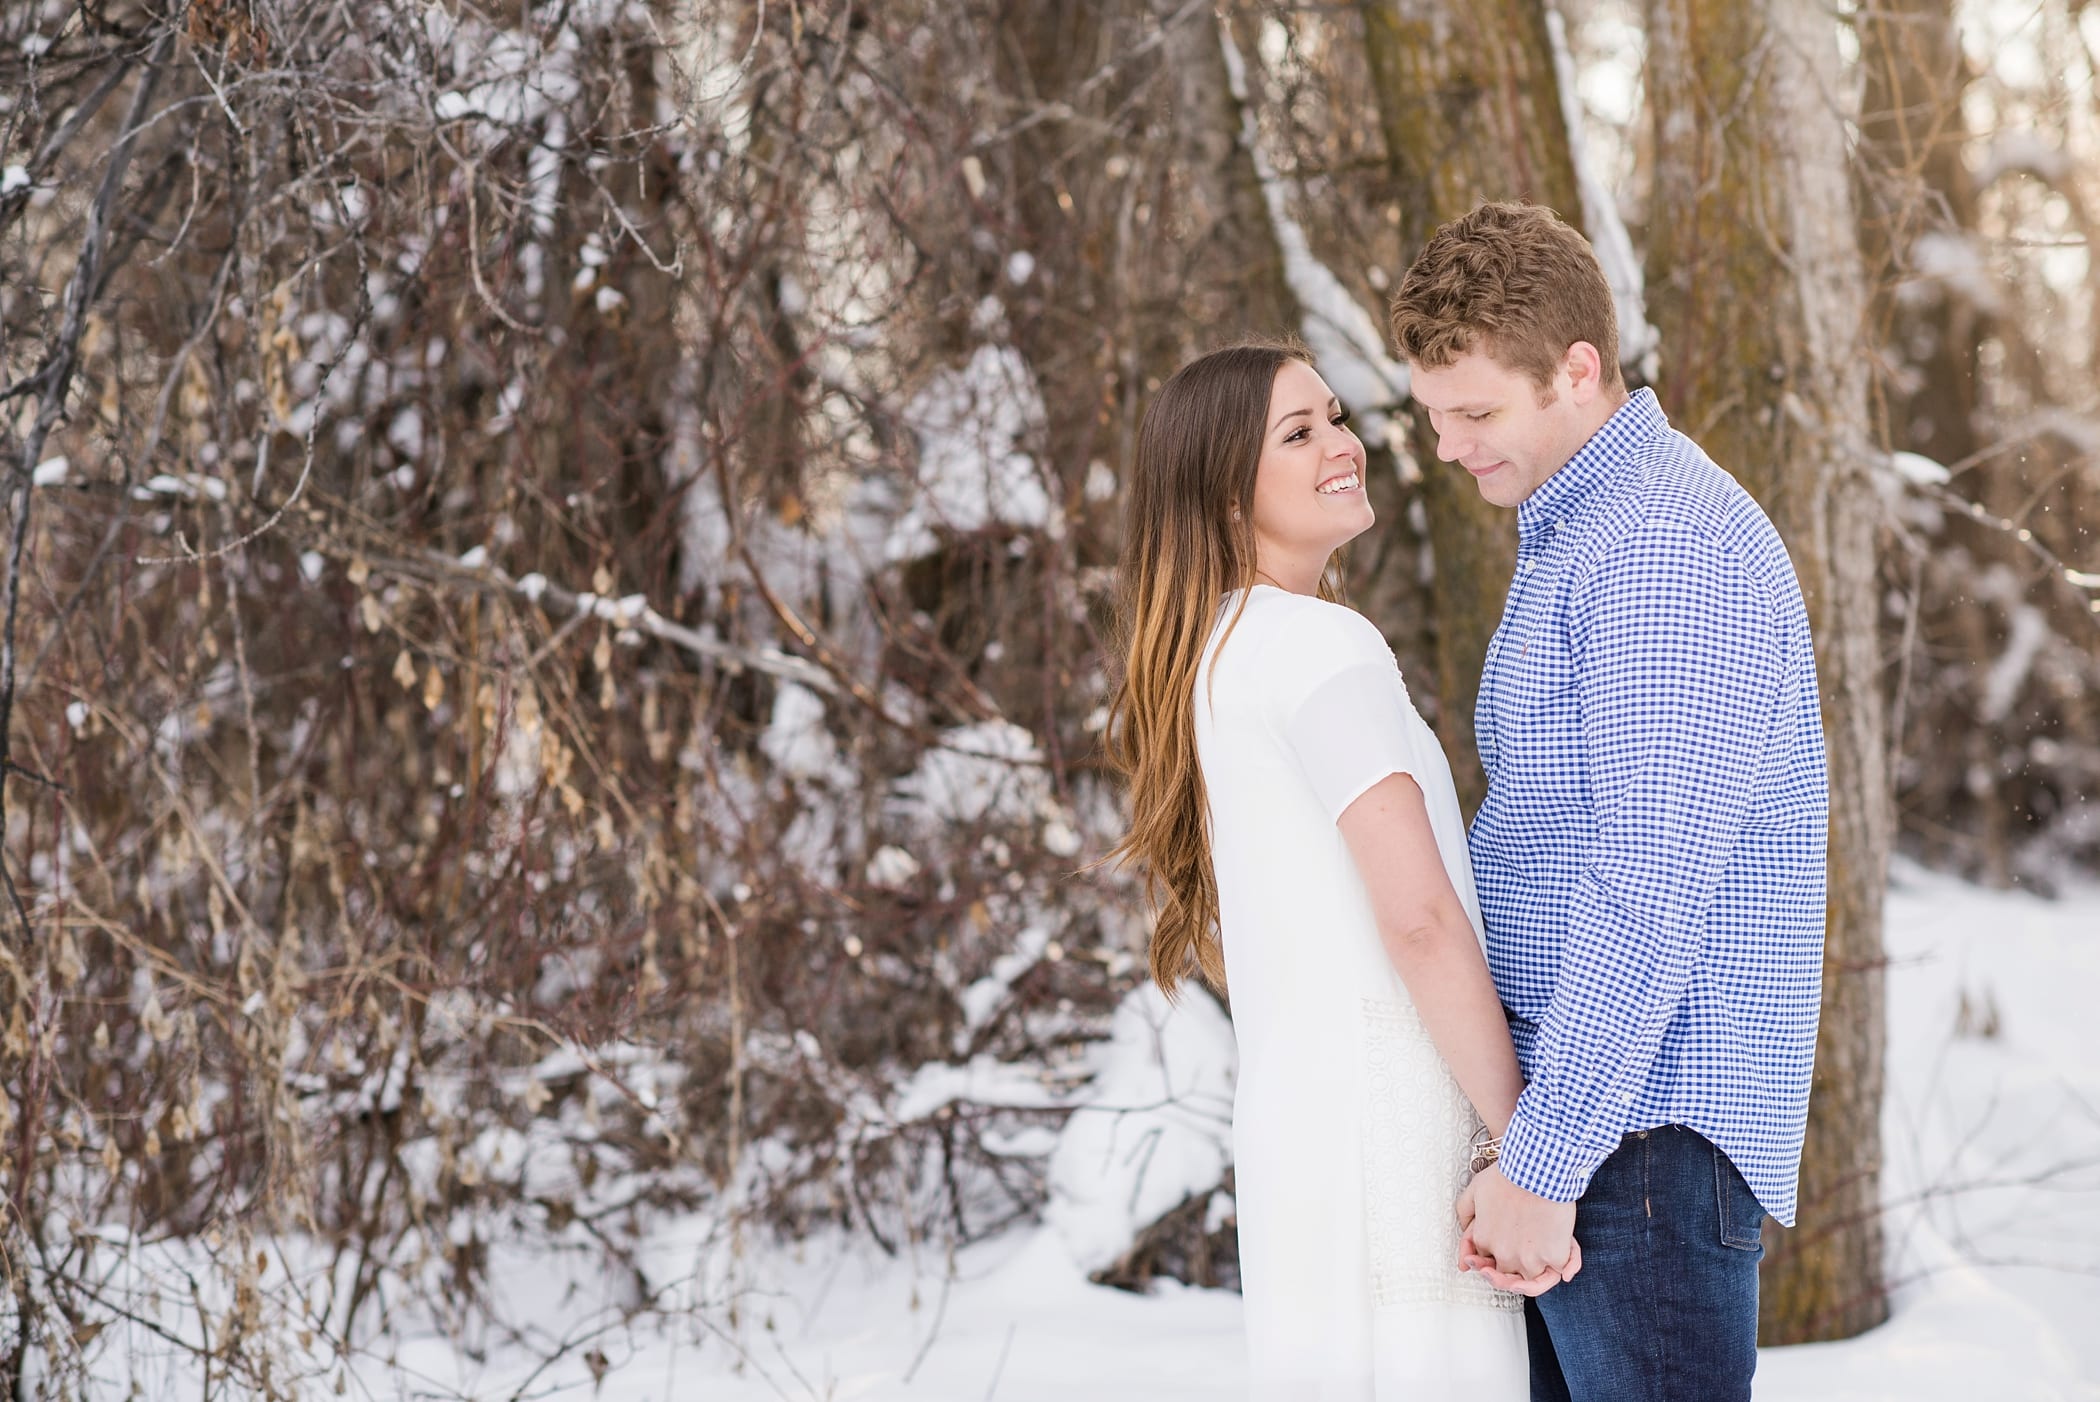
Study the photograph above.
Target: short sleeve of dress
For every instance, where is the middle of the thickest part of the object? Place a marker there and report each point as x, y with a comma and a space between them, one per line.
1350, 732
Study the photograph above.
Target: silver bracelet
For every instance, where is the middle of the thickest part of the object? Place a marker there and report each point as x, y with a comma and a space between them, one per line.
1487, 1148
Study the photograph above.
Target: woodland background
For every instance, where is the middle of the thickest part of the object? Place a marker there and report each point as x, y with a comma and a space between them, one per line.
559, 559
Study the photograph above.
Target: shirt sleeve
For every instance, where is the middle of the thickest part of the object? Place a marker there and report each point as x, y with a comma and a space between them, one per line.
1679, 662
1350, 732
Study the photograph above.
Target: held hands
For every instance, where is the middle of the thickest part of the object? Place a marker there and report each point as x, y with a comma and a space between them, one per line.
1516, 1240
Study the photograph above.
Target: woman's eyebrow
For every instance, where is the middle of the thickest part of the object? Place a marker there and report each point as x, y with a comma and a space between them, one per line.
1332, 403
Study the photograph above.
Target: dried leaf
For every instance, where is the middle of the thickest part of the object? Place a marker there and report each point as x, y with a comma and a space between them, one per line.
154, 1019
65, 959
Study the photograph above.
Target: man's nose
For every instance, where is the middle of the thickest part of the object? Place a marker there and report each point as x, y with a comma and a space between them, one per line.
1449, 447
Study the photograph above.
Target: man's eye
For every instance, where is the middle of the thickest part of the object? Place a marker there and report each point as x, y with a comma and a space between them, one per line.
1481, 417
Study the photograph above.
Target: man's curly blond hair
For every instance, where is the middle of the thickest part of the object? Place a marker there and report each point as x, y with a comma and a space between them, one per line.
1512, 281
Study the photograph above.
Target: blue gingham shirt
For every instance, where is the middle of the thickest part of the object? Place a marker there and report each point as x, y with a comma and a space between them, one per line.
1650, 854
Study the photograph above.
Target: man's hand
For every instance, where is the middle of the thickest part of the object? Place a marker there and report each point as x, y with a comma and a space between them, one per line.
1516, 1240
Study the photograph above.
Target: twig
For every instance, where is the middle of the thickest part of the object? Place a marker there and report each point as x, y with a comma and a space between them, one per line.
1000, 1367
57, 380
940, 1313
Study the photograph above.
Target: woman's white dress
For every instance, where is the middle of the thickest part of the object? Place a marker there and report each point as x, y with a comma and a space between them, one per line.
1350, 1137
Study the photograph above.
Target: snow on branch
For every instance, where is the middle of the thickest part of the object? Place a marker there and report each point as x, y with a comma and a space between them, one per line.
1153, 1129
633, 611
2022, 153
1638, 339
1337, 329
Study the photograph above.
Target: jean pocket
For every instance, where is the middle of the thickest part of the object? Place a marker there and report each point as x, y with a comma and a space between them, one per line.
1742, 1218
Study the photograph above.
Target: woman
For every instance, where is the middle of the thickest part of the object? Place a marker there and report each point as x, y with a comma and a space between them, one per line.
1301, 839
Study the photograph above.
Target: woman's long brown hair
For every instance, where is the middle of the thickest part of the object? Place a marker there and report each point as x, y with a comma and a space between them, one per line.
1184, 550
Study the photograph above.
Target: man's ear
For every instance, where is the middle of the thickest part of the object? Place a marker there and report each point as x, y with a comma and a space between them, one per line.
1584, 367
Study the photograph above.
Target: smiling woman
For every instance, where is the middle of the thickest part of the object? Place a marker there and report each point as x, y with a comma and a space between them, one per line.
1298, 829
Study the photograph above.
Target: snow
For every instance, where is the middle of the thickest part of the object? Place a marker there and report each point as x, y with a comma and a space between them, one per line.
2028, 635
13, 178
405, 433
1992, 1180
1100, 482
982, 1081
2024, 152
984, 997
191, 485
991, 770
1986, 1291
974, 425
1346, 344
49, 473
1954, 261
1155, 1129
892, 867
797, 742
1919, 470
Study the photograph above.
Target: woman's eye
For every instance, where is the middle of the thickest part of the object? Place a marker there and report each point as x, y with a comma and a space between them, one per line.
1341, 416
1296, 434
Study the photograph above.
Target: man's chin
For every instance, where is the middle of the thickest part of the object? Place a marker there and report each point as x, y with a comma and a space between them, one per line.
1496, 491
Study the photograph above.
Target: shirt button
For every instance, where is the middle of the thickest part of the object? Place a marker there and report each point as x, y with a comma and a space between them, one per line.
1528, 564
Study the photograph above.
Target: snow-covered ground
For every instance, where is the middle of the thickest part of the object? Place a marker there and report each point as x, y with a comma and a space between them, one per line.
1993, 1148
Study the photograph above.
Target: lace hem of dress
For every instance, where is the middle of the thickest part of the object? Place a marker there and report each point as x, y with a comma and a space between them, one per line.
1417, 1123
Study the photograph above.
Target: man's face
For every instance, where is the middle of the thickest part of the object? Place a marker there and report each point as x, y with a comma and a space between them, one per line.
1499, 425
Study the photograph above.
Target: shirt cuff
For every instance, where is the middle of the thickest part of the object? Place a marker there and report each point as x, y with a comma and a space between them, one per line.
1542, 1156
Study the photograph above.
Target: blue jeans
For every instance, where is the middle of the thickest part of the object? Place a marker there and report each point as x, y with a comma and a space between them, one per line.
1665, 1306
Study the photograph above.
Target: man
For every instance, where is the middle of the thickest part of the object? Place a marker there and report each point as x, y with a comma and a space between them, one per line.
1650, 853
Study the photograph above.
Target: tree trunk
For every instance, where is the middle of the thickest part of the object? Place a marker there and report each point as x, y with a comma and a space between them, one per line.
1469, 104
1754, 280
1914, 182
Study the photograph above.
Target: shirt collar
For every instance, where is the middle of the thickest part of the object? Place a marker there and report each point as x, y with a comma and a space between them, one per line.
1594, 464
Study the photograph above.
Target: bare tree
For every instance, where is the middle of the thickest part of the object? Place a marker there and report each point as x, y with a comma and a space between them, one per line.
1469, 103
1755, 283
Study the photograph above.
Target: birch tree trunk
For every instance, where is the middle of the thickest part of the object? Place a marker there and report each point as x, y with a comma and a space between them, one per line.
1754, 280
1469, 104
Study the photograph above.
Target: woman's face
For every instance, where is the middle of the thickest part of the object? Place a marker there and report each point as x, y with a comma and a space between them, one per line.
1309, 497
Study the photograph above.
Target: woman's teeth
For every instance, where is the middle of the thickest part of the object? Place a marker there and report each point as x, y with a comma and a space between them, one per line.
1339, 484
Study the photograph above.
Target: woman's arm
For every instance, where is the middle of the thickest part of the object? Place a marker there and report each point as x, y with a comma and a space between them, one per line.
1430, 940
